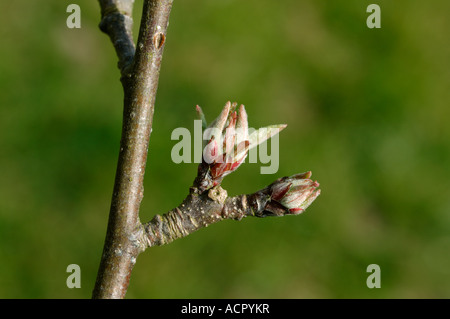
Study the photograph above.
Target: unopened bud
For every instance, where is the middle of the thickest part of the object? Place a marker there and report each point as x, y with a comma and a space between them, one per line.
295, 193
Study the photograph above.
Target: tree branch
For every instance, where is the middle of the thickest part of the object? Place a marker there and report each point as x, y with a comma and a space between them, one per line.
201, 209
207, 202
140, 82
117, 22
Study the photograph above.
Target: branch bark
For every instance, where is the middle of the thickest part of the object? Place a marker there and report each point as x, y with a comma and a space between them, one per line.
201, 210
140, 74
117, 22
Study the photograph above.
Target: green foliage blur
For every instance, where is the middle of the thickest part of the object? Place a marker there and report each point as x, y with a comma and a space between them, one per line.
367, 112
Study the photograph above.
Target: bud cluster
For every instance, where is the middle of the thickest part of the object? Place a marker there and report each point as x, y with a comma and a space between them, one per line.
228, 142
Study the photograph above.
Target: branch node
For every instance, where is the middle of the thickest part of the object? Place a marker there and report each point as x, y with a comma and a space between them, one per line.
218, 194
158, 40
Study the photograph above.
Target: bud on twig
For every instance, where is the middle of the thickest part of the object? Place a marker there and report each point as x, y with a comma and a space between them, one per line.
228, 143
292, 195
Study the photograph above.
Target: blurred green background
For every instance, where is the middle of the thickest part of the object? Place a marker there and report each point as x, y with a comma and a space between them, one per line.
367, 111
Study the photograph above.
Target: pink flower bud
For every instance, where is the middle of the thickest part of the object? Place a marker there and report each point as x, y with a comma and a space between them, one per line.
295, 193
228, 142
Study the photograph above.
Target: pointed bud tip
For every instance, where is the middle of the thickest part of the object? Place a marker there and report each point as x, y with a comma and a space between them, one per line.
304, 175
278, 127
199, 110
